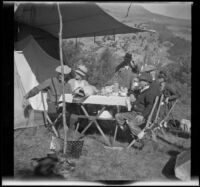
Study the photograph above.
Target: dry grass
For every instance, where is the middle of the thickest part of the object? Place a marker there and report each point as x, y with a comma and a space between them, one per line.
96, 163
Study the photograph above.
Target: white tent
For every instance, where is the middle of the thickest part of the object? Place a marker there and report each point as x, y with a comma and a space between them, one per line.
32, 66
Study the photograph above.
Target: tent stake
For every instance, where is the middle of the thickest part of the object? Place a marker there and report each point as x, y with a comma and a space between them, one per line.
63, 89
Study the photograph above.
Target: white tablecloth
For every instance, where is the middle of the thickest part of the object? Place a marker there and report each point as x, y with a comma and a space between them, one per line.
99, 99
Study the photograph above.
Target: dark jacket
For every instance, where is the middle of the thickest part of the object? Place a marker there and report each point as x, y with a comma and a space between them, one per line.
145, 101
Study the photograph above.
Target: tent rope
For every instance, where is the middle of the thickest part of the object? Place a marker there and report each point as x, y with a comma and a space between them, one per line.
62, 71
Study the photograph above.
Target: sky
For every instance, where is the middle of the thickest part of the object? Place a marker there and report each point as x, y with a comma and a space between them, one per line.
177, 10
173, 9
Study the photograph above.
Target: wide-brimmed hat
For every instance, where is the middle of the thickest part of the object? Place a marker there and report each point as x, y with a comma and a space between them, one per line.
145, 77
67, 69
148, 68
81, 70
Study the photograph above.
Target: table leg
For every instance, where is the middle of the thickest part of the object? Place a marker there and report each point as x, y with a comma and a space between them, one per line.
116, 128
131, 143
96, 123
86, 127
100, 130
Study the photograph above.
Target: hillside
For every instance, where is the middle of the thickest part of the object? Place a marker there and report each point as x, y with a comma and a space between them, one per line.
139, 15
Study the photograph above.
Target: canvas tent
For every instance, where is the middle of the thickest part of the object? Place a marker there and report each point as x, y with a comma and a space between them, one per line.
36, 42
32, 66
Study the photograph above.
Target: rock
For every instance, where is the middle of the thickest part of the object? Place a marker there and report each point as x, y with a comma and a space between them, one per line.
183, 165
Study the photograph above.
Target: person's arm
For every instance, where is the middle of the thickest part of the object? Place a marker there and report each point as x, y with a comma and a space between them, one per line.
37, 89
150, 99
173, 93
121, 65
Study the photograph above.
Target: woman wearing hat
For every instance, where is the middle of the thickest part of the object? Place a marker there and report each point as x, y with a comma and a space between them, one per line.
80, 87
79, 84
79, 78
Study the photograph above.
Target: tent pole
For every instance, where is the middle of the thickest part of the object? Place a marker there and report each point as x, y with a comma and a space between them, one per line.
63, 88
114, 34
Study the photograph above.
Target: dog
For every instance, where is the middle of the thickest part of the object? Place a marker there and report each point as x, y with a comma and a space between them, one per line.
52, 166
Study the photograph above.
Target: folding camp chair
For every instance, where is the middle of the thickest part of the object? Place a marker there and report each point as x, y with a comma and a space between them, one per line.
48, 122
165, 119
148, 126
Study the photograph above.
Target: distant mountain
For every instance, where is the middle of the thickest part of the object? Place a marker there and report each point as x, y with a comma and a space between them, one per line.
138, 15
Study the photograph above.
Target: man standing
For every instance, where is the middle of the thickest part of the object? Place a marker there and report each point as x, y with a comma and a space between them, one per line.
128, 70
141, 107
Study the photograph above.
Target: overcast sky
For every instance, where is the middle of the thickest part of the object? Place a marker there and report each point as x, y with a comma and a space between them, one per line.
172, 9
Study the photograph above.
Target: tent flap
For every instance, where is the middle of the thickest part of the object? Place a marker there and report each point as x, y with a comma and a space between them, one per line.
79, 20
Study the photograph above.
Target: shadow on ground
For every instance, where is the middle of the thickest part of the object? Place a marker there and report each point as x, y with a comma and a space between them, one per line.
168, 169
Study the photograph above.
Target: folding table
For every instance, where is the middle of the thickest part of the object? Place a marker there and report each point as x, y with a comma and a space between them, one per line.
103, 102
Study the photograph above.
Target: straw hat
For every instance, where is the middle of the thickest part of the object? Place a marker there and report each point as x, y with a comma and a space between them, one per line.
81, 70
67, 69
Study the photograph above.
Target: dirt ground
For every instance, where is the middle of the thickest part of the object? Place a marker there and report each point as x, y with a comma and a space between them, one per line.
155, 162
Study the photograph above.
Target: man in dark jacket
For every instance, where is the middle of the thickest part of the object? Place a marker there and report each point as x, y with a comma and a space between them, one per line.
141, 108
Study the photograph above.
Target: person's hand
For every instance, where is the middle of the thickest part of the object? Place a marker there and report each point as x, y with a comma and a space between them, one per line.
139, 118
167, 100
132, 98
25, 102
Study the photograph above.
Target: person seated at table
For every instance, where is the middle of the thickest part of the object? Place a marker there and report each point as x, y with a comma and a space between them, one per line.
141, 107
79, 84
53, 87
81, 88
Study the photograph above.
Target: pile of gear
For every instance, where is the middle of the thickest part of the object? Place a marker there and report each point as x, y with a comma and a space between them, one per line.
53, 165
